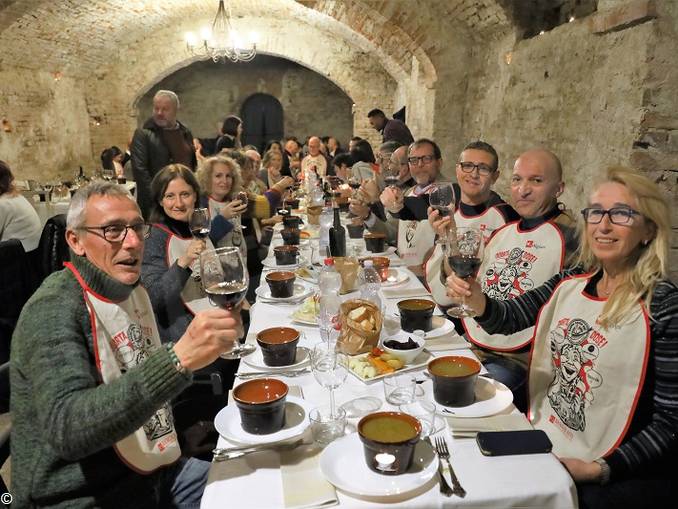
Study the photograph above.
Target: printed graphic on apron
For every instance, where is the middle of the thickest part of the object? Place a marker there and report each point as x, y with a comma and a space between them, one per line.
574, 350
508, 276
410, 231
131, 347
161, 424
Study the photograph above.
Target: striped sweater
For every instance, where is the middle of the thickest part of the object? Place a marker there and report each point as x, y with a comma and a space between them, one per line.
653, 435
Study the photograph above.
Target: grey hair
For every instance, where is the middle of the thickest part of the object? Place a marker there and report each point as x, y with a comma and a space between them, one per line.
169, 94
76, 211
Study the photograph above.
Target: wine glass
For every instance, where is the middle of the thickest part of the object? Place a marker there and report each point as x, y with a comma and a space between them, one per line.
464, 250
199, 223
391, 174
225, 280
442, 198
329, 368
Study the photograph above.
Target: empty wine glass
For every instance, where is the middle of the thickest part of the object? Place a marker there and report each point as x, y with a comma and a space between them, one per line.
391, 173
225, 279
442, 198
199, 223
329, 368
464, 251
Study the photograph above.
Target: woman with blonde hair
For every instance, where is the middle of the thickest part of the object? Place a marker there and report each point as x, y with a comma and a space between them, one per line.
604, 366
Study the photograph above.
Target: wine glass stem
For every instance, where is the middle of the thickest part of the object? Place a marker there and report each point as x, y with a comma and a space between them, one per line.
332, 410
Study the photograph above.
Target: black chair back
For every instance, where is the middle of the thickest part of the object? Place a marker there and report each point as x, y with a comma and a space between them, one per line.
53, 249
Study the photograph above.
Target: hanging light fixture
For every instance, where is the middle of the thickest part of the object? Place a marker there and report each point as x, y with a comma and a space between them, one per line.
222, 42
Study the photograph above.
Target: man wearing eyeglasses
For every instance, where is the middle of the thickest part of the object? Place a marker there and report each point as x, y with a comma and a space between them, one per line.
91, 382
523, 255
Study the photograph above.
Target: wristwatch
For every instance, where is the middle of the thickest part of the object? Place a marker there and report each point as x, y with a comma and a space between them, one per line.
604, 471
175, 359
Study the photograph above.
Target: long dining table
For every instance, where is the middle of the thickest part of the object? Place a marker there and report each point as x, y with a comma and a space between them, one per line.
293, 479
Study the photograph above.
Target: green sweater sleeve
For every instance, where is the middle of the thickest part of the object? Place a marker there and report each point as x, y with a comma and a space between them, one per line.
78, 414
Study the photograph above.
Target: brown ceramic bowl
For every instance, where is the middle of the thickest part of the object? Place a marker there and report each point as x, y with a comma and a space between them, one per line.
416, 314
375, 242
454, 379
388, 441
381, 265
278, 345
292, 204
290, 221
286, 255
261, 404
355, 231
281, 283
290, 236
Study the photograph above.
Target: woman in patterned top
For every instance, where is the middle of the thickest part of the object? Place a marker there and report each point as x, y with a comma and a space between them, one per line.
604, 360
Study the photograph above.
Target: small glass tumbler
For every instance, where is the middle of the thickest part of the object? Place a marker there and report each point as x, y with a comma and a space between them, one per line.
399, 389
425, 412
326, 426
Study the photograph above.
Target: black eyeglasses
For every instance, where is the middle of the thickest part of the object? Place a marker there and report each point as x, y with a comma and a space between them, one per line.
483, 169
118, 232
414, 160
617, 215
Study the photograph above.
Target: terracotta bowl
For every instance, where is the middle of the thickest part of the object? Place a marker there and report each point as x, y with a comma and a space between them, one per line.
388, 441
454, 379
286, 255
281, 283
416, 314
381, 265
291, 221
261, 403
278, 345
290, 236
375, 242
355, 231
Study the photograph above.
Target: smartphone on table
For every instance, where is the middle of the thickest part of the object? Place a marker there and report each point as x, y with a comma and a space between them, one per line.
503, 443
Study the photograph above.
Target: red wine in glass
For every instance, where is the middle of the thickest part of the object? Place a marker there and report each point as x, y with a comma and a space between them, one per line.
464, 266
200, 232
391, 180
226, 295
443, 211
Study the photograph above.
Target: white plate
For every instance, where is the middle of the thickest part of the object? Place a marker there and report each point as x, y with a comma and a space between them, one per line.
303, 319
441, 326
343, 464
491, 398
390, 250
395, 278
227, 423
256, 360
278, 227
271, 264
308, 275
301, 291
421, 360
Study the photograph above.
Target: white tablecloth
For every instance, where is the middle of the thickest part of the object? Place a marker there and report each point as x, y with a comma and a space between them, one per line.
537, 481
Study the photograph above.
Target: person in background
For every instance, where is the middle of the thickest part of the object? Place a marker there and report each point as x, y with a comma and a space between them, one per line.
18, 218
315, 161
293, 151
271, 171
333, 147
352, 142
390, 129
342, 164
276, 146
602, 373
255, 156
91, 379
160, 141
231, 132
111, 162
365, 165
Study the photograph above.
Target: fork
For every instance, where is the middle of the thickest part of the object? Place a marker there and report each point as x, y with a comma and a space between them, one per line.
445, 488
444, 453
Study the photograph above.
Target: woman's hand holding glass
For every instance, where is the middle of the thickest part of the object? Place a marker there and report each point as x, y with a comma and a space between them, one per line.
195, 247
233, 208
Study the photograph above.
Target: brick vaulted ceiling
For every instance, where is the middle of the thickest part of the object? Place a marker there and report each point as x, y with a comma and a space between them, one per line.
81, 37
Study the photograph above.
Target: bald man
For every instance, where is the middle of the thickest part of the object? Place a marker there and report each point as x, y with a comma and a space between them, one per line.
523, 255
315, 160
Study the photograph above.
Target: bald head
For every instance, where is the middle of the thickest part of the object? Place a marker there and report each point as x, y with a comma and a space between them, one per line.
314, 145
536, 182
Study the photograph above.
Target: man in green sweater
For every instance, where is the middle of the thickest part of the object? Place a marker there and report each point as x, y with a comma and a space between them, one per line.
90, 380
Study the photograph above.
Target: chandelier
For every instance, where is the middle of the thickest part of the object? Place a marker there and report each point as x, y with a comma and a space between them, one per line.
222, 42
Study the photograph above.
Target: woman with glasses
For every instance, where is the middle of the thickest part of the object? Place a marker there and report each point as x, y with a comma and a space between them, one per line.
604, 365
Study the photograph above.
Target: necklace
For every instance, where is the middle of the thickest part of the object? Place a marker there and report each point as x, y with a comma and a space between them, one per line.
604, 290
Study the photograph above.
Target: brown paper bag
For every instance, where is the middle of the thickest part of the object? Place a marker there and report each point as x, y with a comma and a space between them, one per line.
361, 334
347, 267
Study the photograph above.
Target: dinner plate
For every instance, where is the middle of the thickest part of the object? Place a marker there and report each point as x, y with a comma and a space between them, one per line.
256, 360
491, 398
395, 278
308, 274
271, 264
303, 319
421, 360
301, 291
227, 423
441, 326
278, 227
343, 464
389, 251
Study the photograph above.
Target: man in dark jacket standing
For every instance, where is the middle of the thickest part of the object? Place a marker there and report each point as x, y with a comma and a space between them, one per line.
391, 129
162, 140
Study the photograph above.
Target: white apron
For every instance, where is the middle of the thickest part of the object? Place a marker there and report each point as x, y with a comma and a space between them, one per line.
124, 335
415, 238
515, 262
585, 381
192, 294
233, 238
319, 162
488, 221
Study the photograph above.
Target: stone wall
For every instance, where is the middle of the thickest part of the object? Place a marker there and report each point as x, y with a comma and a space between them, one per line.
209, 92
45, 132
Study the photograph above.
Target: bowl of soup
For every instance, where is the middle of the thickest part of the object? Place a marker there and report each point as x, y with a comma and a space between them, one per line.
286, 255
454, 379
261, 404
355, 231
290, 236
290, 221
278, 345
416, 314
375, 242
281, 283
389, 439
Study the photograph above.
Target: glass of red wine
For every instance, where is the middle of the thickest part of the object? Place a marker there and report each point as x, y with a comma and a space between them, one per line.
199, 223
225, 280
464, 251
443, 199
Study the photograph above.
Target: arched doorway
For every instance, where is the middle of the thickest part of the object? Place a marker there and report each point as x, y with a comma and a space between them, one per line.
262, 115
